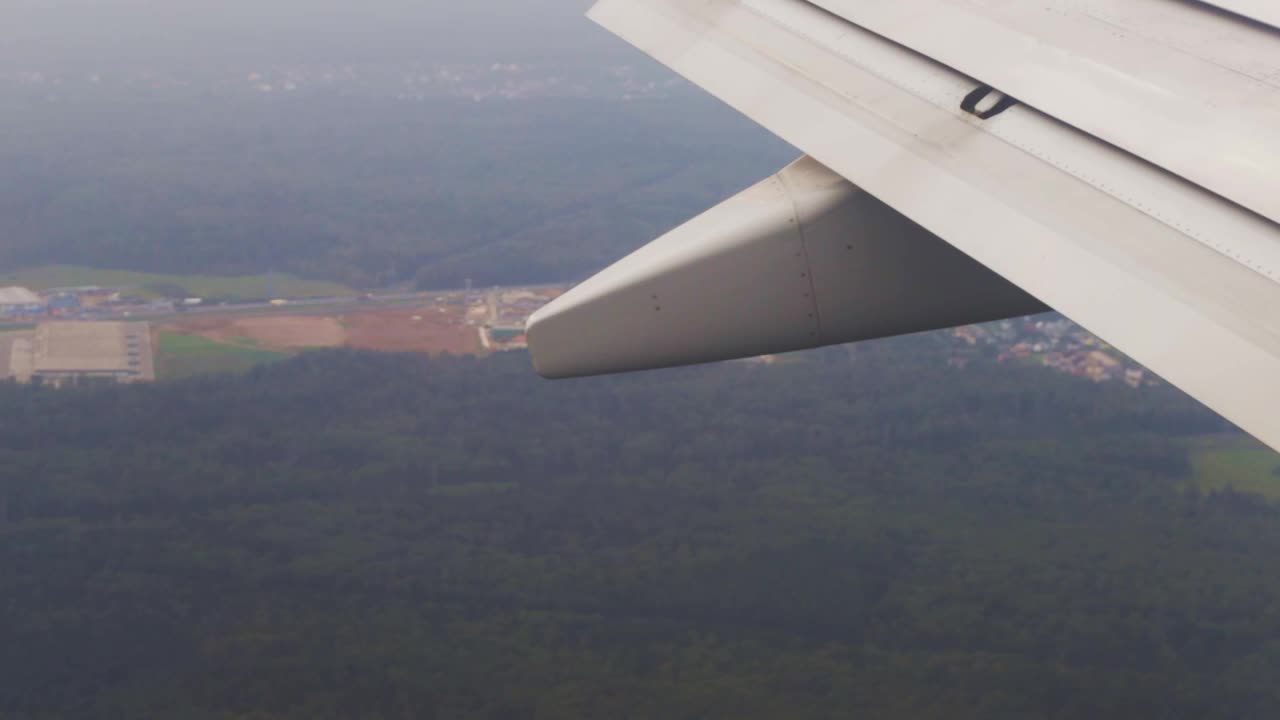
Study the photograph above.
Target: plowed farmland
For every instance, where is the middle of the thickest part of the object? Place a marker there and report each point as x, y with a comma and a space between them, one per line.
274, 332
422, 330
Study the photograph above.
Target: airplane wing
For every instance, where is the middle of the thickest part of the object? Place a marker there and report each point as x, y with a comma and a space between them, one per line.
968, 160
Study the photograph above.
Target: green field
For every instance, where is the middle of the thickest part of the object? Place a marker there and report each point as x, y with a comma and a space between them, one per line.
250, 287
1238, 462
180, 356
472, 489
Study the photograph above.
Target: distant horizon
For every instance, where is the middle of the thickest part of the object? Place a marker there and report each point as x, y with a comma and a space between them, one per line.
88, 33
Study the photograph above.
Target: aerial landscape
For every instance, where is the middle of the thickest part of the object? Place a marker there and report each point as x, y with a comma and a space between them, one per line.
272, 446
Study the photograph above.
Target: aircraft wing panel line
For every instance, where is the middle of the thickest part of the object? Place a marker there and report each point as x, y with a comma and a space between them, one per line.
1188, 311
1150, 76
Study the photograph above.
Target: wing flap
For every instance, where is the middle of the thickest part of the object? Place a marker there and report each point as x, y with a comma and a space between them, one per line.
1136, 76
1092, 231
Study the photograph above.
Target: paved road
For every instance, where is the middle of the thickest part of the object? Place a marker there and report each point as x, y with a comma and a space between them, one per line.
492, 301
293, 307
317, 306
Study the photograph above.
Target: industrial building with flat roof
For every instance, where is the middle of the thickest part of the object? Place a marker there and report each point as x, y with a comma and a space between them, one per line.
63, 351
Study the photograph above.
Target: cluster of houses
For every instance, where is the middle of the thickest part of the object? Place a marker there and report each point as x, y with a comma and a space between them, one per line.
1057, 343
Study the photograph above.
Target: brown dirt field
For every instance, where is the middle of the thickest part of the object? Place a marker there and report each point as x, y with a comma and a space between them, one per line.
397, 331
275, 332
292, 332
385, 330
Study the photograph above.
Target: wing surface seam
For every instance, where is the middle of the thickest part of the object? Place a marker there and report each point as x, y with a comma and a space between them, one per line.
799, 220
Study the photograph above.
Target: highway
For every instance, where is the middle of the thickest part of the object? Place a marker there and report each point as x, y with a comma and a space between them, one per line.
309, 306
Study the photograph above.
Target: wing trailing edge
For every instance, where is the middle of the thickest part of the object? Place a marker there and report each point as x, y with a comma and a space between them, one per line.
1263, 11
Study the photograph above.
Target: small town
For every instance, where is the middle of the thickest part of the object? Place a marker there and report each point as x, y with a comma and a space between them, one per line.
117, 333
1057, 343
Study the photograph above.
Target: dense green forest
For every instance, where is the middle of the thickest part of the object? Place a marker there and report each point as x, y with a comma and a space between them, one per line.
133, 138
368, 192
861, 532
359, 536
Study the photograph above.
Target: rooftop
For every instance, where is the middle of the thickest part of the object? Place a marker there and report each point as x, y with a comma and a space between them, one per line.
87, 347
18, 296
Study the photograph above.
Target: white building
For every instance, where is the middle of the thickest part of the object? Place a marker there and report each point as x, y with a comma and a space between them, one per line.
19, 301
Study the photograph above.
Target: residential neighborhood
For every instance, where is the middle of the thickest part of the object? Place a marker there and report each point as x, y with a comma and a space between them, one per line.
1055, 342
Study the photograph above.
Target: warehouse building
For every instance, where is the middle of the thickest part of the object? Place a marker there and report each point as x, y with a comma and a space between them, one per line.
62, 352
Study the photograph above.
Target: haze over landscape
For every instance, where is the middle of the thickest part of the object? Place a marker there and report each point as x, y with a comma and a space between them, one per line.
370, 146
272, 447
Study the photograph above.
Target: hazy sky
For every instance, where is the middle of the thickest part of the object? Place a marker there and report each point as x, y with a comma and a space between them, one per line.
105, 33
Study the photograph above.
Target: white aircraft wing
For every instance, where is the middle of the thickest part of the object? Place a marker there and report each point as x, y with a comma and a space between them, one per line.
968, 160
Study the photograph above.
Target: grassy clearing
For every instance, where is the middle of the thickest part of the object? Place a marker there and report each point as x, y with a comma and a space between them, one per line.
1236, 461
180, 356
250, 287
472, 489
